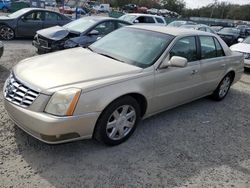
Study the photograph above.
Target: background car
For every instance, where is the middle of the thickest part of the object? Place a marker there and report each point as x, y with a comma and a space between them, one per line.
243, 47
5, 5
1, 48
216, 29
135, 18
25, 22
230, 35
81, 32
180, 23
200, 27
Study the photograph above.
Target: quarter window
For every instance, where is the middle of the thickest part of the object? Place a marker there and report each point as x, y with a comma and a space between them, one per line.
185, 47
219, 50
208, 49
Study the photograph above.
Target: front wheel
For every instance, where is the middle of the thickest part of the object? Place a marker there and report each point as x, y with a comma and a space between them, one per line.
223, 88
118, 121
7, 33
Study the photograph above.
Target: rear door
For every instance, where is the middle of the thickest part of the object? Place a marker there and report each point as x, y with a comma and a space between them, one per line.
213, 61
30, 23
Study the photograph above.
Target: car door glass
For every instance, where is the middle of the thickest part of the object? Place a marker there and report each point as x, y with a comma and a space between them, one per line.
202, 29
50, 16
121, 24
185, 47
105, 28
219, 50
208, 49
34, 16
145, 19
159, 20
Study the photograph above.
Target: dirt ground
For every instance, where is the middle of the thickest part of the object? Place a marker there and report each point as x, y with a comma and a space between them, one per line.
202, 144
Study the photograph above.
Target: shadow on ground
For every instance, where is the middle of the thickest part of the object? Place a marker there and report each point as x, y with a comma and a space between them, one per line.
166, 149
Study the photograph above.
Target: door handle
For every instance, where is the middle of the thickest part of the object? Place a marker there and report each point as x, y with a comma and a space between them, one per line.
223, 65
194, 72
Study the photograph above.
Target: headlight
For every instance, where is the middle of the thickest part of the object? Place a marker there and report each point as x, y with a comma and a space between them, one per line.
247, 55
63, 103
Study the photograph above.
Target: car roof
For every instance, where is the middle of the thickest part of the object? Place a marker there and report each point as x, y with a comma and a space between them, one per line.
41, 9
175, 31
101, 18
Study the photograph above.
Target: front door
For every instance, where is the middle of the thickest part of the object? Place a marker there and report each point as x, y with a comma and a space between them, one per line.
175, 85
30, 23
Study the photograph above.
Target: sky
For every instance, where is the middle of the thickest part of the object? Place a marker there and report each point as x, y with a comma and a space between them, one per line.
200, 3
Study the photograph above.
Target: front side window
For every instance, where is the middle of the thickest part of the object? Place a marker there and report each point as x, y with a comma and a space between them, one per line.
208, 49
185, 47
34, 16
105, 27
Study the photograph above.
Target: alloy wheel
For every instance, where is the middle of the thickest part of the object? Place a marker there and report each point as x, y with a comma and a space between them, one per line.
121, 122
224, 87
6, 33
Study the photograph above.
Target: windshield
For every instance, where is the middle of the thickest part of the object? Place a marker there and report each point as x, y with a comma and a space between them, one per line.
18, 13
133, 46
247, 40
128, 18
177, 23
80, 25
230, 30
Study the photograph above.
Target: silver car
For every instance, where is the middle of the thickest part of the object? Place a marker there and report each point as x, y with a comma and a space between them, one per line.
104, 91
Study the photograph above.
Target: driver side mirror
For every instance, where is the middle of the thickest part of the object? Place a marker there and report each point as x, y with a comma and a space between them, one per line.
94, 32
175, 61
23, 19
136, 21
240, 40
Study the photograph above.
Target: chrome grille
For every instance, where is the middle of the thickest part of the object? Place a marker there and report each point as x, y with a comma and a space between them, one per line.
18, 93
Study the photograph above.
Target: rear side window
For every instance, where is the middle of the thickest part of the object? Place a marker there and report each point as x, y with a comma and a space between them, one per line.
185, 47
159, 20
51, 16
219, 50
208, 49
145, 19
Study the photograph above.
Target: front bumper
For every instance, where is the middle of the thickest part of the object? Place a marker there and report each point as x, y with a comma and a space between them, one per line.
41, 48
52, 129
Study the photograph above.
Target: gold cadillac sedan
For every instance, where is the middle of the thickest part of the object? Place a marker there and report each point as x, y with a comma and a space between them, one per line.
104, 91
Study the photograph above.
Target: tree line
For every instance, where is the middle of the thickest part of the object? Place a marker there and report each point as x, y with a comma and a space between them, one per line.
222, 10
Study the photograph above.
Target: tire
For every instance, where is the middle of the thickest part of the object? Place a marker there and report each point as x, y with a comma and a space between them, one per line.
118, 121
7, 33
223, 88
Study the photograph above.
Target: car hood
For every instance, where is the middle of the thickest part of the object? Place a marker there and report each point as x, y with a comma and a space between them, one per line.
241, 47
54, 33
3, 18
69, 67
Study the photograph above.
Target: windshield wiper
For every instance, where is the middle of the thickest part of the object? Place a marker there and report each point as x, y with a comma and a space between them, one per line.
106, 55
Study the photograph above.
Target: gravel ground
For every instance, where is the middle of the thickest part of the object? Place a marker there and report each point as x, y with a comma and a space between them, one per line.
200, 144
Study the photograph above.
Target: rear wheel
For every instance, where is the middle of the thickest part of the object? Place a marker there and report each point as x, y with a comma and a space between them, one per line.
118, 121
7, 33
223, 88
